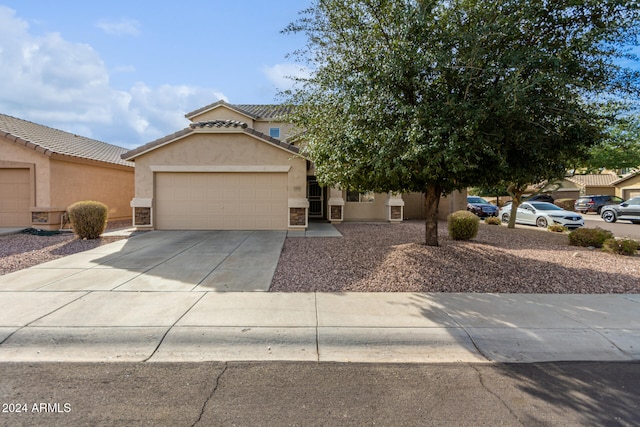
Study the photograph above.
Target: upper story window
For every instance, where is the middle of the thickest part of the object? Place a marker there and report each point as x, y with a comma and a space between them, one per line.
274, 132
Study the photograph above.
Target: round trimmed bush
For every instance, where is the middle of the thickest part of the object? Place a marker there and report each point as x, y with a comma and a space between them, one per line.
88, 218
586, 237
463, 225
620, 246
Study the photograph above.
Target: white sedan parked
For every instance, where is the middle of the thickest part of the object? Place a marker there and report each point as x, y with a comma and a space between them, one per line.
542, 214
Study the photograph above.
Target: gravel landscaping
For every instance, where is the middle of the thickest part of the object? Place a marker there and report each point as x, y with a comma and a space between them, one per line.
393, 258
18, 251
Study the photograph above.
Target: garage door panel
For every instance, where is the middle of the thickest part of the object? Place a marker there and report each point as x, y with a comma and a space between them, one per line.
226, 201
15, 197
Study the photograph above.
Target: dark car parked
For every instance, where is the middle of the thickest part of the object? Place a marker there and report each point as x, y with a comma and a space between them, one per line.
586, 204
481, 207
540, 198
629, 210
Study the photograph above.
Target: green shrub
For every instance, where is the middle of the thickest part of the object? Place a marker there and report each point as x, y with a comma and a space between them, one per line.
463, 225
621, 246
557, 228
566, 204
589, 237
88, 218
492, 220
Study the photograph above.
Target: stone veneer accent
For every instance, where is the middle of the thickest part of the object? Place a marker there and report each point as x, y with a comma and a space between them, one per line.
396, 212
40, 217
336, 213
142, 216
297, 217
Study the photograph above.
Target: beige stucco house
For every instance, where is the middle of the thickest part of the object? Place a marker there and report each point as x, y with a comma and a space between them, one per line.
235, 167
628, 186
575, 186
44, 170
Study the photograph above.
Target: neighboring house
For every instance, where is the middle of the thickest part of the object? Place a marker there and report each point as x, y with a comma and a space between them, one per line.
235, 167
628, 186
44, 170
575, 186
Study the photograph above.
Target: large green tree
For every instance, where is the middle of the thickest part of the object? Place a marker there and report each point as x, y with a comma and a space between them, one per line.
619, 149
436, 96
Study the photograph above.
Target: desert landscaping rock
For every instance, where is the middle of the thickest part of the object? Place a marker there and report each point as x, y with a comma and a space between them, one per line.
393, 258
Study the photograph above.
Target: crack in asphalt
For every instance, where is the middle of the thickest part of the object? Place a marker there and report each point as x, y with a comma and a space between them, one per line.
491, 392
213, 392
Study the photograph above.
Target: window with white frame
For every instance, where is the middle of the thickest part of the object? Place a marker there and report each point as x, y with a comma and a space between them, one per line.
274, 132
357, 197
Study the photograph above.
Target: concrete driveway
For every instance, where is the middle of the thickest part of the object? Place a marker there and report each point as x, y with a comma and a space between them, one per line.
162, 261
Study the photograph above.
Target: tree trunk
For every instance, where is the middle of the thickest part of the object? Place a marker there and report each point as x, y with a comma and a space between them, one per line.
515, 192
431, 201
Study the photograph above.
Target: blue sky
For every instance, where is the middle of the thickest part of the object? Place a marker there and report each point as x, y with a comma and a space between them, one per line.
126, 72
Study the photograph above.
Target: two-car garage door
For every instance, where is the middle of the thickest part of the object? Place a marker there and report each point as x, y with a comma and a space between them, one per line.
221, 201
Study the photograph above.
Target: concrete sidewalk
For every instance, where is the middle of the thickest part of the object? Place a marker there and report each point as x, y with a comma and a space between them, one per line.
103, 326
175, 296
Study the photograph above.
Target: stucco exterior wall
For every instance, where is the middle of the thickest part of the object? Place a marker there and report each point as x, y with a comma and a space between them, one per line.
629, 187
223, 113
264, 126
77, 181
11, 152
219, 149
372, 211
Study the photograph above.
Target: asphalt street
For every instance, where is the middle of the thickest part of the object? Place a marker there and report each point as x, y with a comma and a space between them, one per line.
310, 394
619, 228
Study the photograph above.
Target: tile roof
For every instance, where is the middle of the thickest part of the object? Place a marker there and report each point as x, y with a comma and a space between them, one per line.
593, 180
50, 141
626, 177
255, 111
242, 127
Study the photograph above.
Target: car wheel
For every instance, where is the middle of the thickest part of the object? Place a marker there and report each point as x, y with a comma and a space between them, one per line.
599, 210
505, 217
541, 222
609, 216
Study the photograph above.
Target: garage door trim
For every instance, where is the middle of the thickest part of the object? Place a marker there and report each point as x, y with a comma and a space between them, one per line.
234, 169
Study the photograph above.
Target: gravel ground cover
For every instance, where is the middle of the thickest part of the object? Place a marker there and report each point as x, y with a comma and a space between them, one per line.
393, 258
18, 251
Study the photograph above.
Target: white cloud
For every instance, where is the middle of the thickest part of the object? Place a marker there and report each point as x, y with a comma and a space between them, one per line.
123, 27
283, 75
65, 85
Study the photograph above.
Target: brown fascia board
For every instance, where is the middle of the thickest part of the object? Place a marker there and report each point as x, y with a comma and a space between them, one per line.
130, 155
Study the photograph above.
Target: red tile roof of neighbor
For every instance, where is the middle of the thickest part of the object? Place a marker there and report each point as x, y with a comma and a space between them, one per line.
50, 141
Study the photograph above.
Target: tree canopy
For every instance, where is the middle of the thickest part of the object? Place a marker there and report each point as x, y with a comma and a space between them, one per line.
436, 96
619, 149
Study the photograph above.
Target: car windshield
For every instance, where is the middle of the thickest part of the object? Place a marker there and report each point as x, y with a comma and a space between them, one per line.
543, 206
476, 200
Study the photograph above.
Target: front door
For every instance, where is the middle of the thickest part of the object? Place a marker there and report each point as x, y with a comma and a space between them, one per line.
315, 195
